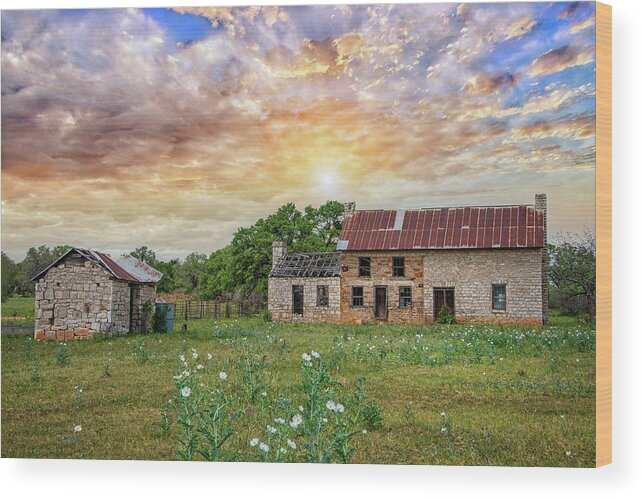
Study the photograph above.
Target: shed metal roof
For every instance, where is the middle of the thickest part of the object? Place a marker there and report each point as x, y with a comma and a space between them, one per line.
124, 267
519, 226
296, 264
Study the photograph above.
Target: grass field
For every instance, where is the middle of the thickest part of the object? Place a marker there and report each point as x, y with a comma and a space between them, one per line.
446, 395
18, 310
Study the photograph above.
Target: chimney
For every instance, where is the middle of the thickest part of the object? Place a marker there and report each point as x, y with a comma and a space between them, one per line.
279, 250
541, 204
349, 207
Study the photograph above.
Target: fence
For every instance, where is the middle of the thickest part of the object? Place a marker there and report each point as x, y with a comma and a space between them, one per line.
213, 309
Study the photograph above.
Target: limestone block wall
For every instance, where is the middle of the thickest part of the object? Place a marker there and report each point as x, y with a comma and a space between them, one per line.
120, 307
280, 299
73, 299
473, 272
382, 275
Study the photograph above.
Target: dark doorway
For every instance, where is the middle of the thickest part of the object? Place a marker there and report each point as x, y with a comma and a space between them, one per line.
298, 300
443, 296
381, 306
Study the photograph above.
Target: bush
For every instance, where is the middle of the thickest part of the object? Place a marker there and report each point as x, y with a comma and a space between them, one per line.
372, 415
445, 317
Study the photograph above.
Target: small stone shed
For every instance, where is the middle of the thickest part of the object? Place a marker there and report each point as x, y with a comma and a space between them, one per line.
87, 292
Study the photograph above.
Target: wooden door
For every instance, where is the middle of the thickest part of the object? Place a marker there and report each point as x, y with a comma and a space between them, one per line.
381, 305
443, 296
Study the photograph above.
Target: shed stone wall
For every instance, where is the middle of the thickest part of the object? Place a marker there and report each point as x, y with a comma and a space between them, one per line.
73, 299
280, 299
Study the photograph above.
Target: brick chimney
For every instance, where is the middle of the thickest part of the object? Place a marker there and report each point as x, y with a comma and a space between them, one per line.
349, 207
541, 204
279, 250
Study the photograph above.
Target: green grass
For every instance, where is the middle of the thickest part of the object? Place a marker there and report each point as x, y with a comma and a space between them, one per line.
18, 306
511, 396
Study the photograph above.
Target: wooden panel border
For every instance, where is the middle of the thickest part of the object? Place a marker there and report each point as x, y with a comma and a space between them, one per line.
603, 234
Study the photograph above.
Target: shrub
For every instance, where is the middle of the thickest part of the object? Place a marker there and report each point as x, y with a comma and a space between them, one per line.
372, 415
445, 317
158, 319
266, 315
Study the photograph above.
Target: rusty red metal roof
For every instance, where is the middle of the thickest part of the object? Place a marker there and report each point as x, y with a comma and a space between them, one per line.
474, 227
124, 267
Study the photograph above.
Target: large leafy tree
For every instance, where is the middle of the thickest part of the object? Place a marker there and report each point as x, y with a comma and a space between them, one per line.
572, 274
243, 266
36, 260
190, 271
146, 255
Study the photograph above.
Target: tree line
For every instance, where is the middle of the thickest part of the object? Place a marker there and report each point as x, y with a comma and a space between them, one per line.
240, 269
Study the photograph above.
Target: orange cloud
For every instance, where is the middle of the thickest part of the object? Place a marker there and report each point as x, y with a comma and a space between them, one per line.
556, 60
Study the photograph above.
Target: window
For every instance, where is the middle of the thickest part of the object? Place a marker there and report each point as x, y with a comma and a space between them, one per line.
358, 296
364, 267
398, 266
499, 301
405, 296
322, 296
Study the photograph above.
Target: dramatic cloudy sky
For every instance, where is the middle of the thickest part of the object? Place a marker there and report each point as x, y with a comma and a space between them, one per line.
172, 128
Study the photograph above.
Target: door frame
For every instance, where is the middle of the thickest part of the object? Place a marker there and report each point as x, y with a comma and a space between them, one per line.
376, 315
443, 290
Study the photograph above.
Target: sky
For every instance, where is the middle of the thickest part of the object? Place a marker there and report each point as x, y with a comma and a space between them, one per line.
171, 128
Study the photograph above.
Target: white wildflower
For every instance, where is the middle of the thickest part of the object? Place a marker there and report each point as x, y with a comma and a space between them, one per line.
568, 453
209, 356
199, 366
340, 408
292, 444
283, 451
271, 429
330, 405
443, 430
264, 394
223, 375
301, 408
364, 432
305, 357
77, 428
443, 414
315, 354
182, 358
195, 355
280, 421
264, 447
185, 391
254, 442
325, 420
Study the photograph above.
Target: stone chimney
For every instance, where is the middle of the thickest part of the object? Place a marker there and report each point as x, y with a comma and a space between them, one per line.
349, 207
541, 204
279, 250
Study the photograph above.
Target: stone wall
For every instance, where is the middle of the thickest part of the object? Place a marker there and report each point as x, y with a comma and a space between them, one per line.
73, 299
473, 272
120, 307
382, 275
280, 299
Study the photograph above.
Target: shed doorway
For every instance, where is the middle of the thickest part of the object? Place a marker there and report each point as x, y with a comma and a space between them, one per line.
381, 303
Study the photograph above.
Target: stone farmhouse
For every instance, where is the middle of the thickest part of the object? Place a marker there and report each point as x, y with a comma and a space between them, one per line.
86, 292
485, 264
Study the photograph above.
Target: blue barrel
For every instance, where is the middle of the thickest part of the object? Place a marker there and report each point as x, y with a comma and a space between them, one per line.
168, 308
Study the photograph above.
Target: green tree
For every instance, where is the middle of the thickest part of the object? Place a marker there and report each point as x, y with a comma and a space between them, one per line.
36, 260
9, 271
191, 270
145, 255
169, 282
243, 266
572, 274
